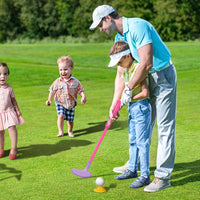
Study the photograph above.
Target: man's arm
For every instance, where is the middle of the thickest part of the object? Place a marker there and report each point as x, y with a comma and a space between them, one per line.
144, 91
146, 63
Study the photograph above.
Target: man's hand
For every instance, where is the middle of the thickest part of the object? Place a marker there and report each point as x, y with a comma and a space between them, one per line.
126, 96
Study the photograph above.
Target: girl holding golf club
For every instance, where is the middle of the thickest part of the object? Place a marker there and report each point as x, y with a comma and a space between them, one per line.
10, 116
65, 90
139, 116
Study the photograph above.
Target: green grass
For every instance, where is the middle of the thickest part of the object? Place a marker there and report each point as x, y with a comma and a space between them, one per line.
42, 170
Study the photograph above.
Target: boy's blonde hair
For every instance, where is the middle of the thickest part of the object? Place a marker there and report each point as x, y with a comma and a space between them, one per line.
118, 47
66, 60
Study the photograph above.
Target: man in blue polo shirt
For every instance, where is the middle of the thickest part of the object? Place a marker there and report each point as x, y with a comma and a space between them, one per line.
155, 61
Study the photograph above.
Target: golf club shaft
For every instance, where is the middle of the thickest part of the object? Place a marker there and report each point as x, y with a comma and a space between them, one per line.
84, 173
115, 110
98, 144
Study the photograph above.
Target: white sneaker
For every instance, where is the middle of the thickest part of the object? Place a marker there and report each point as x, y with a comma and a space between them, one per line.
157, 184
121, 169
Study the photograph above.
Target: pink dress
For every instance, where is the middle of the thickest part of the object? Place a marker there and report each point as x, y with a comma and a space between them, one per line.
8, 116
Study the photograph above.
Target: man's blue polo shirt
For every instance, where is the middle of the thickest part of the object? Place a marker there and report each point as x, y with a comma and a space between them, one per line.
137, 33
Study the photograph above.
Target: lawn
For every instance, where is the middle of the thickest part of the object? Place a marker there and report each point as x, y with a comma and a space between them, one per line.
43, 167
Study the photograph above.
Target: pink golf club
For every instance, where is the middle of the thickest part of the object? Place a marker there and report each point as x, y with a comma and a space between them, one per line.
84, 173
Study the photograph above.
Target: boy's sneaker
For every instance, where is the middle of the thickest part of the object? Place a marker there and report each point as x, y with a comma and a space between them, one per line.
157, 184
121, 169
126, 175
140, 182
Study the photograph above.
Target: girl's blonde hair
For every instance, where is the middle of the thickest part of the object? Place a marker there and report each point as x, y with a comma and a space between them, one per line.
118, 47
3, 64
66, 60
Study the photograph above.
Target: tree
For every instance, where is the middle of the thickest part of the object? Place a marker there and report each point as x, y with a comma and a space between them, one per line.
173, 19
10, 25
165, 19
32, 17
52, 25
66, 10
136, 8
177, 19
188, 19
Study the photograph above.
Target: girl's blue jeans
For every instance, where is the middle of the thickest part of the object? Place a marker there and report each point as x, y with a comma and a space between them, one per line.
139, 133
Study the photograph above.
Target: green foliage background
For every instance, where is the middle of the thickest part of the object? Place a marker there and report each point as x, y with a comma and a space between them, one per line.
37, 19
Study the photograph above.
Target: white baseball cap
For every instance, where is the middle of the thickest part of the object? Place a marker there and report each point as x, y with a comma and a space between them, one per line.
115, 58
99, 13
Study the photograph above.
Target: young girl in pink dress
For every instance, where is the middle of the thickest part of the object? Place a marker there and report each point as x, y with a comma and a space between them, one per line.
10, 115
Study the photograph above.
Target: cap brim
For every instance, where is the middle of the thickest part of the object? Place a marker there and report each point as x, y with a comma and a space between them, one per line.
115, 58
95, 24
113, 62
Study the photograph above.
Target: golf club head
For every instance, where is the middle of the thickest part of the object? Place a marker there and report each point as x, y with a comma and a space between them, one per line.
82, 173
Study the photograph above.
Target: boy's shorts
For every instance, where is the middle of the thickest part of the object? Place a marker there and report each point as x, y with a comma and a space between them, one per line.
69, 114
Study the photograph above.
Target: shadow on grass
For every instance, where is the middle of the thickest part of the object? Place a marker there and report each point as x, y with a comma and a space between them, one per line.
99, 126
111, 186
186, 172
4, 170
37, 150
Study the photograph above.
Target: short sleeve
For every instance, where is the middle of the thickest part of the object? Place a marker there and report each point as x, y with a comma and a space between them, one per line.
80, 88
54, 87
141, 34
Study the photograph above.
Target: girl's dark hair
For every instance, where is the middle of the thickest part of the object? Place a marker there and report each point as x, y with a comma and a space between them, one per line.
3, 64
119, 46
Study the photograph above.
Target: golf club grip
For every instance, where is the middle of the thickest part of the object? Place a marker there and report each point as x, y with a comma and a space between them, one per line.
116, 108
114, 112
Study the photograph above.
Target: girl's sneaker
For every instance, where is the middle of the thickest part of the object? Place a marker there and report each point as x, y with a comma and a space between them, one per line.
140, 182
126, 175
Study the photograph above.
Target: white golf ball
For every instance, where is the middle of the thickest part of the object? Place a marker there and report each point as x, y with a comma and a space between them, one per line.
100, 181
